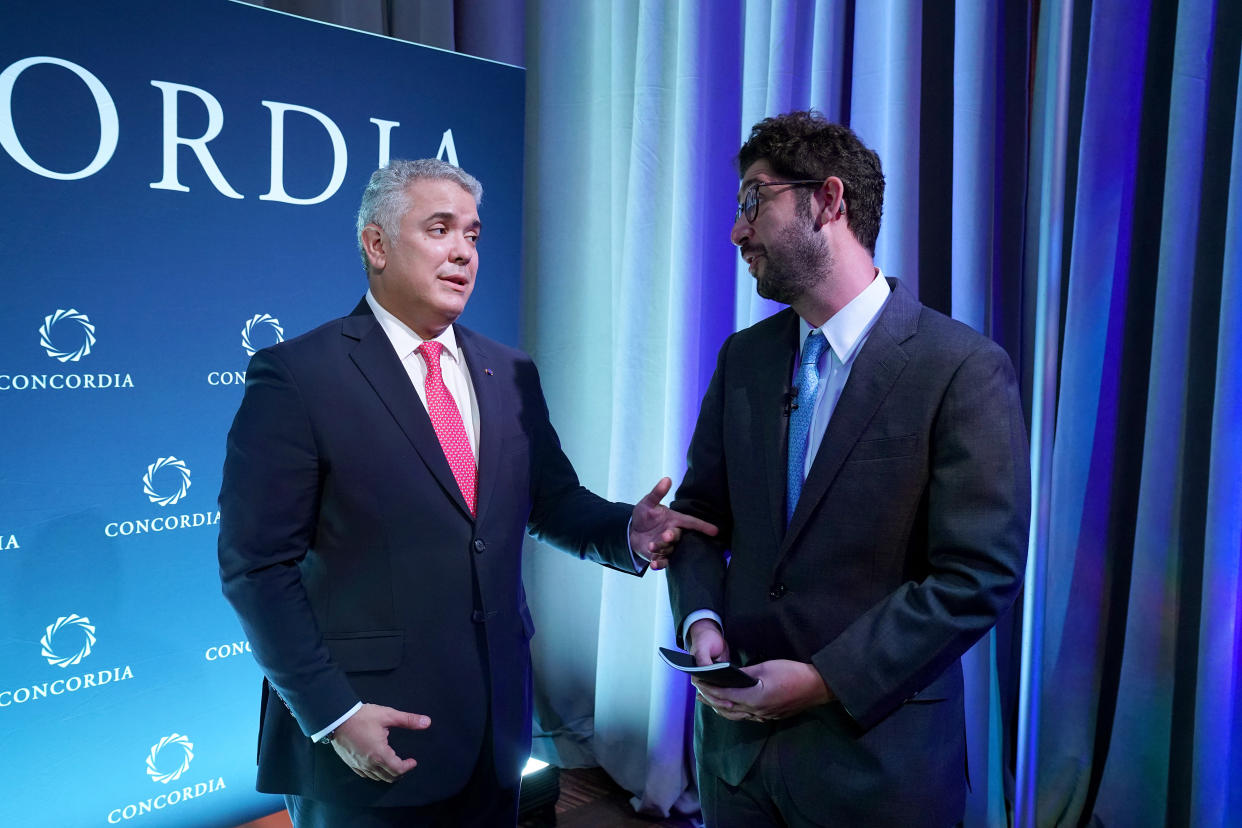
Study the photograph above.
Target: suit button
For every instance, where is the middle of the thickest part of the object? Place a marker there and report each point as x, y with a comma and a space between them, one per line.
477, 616
479, 546
777, 591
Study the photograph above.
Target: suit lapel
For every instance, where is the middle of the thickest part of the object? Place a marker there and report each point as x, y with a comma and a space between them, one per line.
485, 391
875, 371
378, 362
768, 400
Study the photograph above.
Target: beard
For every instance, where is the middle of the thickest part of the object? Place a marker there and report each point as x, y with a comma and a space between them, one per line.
793, 263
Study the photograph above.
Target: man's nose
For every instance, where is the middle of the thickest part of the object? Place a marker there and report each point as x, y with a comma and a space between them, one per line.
741, 230
462, 251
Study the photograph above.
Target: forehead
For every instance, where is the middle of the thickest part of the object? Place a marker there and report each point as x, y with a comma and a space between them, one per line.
758, 171
432, 196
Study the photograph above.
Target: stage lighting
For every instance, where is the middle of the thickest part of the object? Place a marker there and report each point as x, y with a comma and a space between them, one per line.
541, 787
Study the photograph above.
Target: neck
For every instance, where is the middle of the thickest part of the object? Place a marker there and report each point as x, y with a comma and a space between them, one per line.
419, 324
425, 332
850, 276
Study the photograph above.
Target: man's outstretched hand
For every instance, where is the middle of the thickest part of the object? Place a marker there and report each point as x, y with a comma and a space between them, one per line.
362, 741
655, 529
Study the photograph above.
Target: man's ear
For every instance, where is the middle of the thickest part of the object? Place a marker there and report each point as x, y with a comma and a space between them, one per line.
375, 246
831, 200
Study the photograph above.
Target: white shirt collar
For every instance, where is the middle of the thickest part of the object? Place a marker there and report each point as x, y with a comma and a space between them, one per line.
403, 338
846, 329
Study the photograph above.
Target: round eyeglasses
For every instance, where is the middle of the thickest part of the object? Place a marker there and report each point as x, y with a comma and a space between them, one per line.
749, 205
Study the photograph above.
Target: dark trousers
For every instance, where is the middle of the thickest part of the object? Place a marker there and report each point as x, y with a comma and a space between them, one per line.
762, 800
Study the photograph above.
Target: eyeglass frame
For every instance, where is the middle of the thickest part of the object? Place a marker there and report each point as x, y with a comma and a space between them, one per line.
749, 205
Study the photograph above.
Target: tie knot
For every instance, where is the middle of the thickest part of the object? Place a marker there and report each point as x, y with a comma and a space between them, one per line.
431, 353
813, 347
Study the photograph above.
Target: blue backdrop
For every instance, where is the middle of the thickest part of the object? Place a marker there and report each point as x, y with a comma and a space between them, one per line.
179, 184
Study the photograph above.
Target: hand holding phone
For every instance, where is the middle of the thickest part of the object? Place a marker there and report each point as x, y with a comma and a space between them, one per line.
720, 674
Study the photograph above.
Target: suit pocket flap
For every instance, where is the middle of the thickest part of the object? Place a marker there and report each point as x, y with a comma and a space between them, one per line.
362, 652
884, 448
948, 685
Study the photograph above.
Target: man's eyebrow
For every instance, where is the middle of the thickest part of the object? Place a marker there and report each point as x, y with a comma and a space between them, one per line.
449, 215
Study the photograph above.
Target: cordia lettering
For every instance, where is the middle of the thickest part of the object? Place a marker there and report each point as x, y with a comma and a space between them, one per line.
165, 800
223, 651
168, 523
63, 382
226, 378
172, 95
59, 687
8, 542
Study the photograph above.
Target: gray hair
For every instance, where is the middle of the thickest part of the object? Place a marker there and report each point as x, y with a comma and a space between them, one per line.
386, 199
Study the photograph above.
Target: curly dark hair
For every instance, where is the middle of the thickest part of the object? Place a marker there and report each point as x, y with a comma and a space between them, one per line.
801, 145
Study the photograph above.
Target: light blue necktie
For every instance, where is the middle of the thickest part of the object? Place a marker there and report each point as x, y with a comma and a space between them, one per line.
800, 420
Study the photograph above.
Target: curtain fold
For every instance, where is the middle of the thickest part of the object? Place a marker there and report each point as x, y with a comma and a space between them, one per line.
568, 161
632, 285
1042, 288
1081, 605
886, 112
1217, 795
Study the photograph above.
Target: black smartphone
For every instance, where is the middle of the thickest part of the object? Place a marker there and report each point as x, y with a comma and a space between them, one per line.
720, 674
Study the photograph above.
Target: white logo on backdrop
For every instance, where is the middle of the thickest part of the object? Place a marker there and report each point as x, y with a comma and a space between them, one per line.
172, 463
187, 756
261, 319
58, 641
71, 315
80, 623
160, 767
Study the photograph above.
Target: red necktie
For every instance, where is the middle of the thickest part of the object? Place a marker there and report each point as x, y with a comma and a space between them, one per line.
446, 420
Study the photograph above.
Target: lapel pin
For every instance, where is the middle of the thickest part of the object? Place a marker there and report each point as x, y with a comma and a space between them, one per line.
488, 371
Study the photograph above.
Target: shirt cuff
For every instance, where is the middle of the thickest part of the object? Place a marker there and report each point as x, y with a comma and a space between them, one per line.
315, 737
695, 616
640, 563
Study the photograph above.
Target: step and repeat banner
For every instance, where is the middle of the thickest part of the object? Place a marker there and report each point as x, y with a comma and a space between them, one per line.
179, 183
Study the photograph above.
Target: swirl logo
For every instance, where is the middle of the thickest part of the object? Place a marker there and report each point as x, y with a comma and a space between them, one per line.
45, 335
187, 756
261, 319
79, 622
172, 463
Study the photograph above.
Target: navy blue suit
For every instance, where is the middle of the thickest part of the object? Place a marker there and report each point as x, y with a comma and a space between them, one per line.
359, 574
908, 540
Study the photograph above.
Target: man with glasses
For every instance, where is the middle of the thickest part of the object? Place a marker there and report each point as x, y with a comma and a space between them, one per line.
866, 461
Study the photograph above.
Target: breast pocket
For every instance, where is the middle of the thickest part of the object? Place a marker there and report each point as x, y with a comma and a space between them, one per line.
884, 448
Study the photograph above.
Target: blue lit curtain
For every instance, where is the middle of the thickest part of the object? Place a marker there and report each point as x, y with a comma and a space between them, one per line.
1130, 711
1064, 175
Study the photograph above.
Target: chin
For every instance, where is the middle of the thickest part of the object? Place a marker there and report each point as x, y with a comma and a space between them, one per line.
452, 310
777, 293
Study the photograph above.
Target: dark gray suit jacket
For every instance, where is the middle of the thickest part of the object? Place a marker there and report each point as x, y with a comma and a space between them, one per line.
908, 540
356, 568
